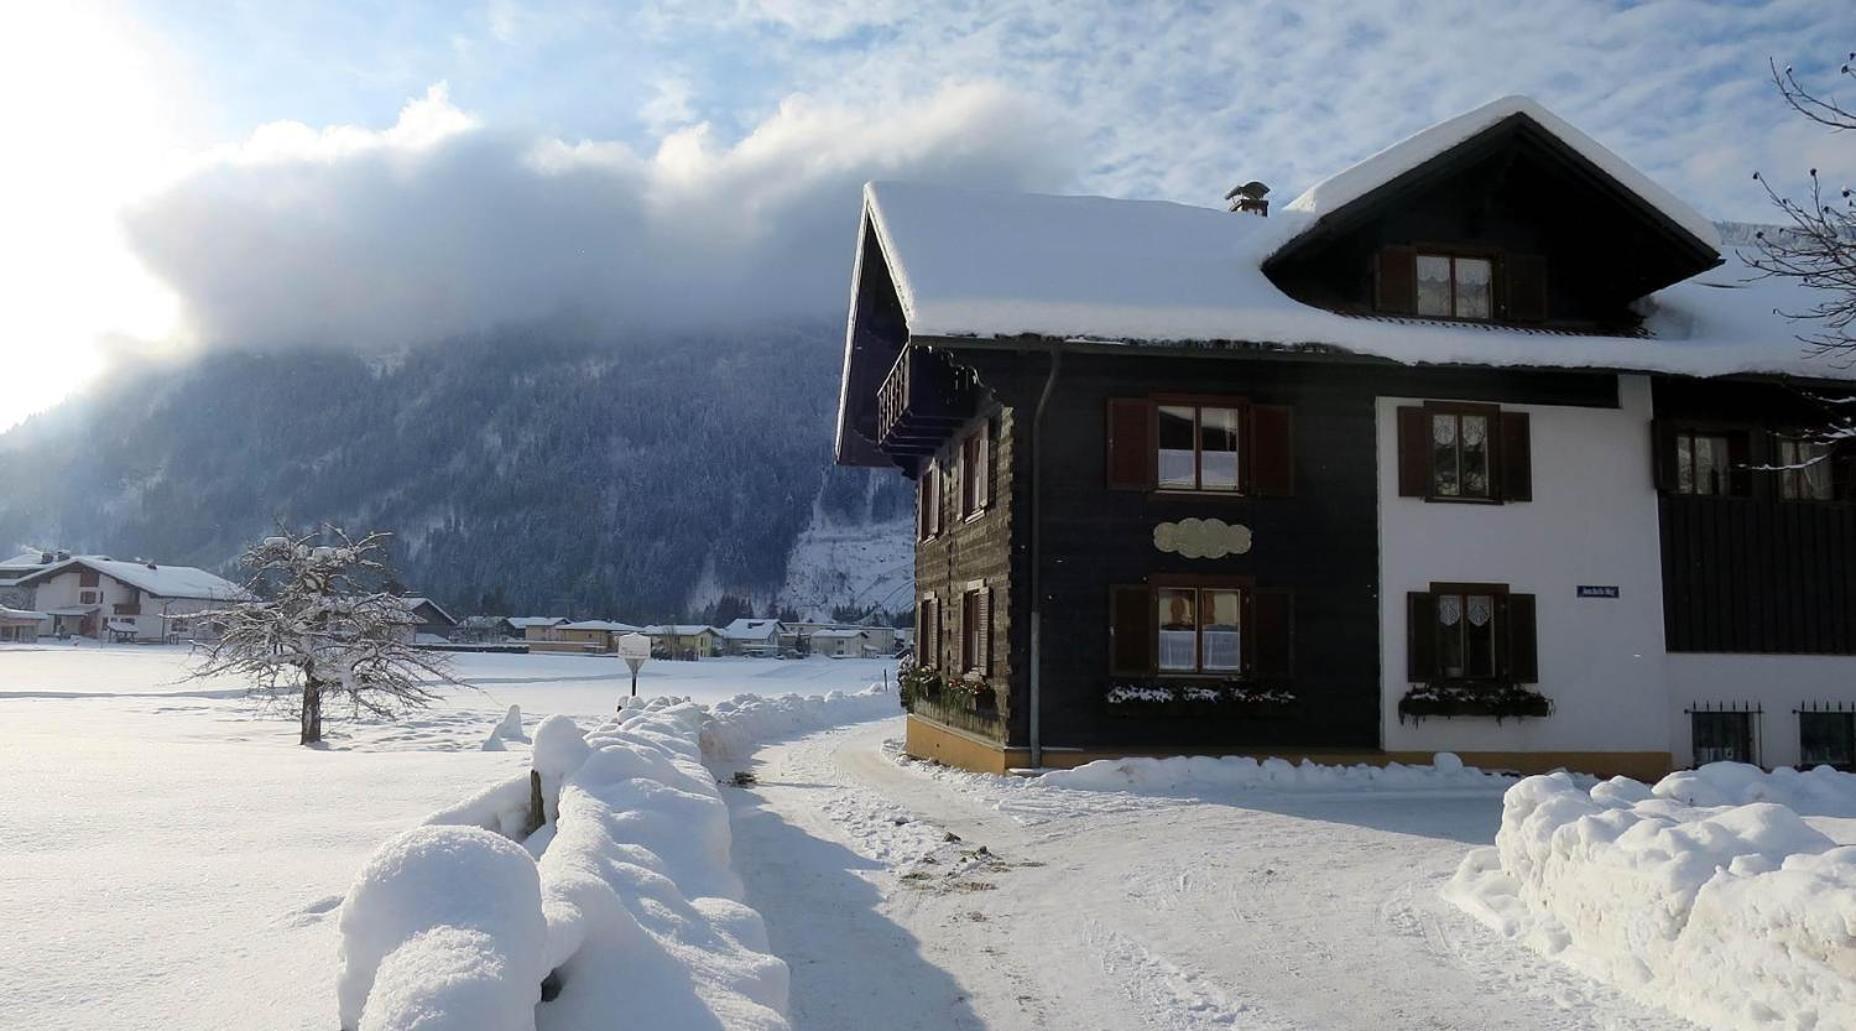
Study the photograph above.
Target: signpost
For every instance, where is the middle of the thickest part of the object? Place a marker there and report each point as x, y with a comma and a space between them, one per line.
634, 649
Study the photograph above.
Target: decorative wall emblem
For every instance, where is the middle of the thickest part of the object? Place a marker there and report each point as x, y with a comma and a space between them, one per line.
1202, 538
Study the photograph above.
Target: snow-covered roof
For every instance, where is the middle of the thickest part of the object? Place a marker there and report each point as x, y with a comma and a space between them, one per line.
973, 263
1343, 188
151, 578
414, 603
26, 560
676, 630
839, 633
524, 622
751, 629
600, 624
21, 615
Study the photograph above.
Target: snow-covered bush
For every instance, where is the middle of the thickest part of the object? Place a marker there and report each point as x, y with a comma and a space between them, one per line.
632, 901
1730, 914
735, 725
443, 929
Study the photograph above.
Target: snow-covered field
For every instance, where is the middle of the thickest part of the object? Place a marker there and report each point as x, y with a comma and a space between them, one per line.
169, 857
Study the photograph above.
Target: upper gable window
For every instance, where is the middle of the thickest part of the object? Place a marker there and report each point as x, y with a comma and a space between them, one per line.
1454, 287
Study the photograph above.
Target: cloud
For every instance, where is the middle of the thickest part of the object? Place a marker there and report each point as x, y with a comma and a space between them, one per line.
440, 225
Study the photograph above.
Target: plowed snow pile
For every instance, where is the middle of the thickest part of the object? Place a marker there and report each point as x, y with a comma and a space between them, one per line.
1711, 894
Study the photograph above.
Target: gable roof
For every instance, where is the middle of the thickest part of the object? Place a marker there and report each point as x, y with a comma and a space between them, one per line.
186, 582
414, 603
524, 622
752, 629
1342, 189
677, 630
26, 560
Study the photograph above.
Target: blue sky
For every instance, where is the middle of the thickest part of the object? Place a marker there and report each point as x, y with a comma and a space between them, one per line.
254, 173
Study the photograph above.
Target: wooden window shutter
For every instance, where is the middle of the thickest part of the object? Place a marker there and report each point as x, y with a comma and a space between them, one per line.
1523, 645
1517, 458
922, 488
1396, 281
1270, 641
1526, 279
1272, 450
1663, 455
1420, 636
1414, 452
1131, 630
1131, 454
982, 484
985, 610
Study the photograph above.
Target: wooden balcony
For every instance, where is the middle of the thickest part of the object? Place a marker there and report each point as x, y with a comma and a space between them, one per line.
921, 402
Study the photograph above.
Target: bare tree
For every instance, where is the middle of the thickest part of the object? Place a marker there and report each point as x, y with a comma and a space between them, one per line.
323, 631
1818, 247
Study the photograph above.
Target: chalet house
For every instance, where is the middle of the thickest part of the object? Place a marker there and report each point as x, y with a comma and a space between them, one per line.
20, 566
767, 638
841, 642
877, 640
683, 641
535, 628
1486, 444
594, 635
100, 597
430, 619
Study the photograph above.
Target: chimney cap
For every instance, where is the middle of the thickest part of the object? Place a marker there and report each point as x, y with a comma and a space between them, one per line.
1251, 190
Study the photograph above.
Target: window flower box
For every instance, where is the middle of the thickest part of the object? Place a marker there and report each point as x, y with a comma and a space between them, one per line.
1452, 698
1213, 699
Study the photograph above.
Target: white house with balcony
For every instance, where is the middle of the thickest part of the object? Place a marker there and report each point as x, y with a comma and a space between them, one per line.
111, 599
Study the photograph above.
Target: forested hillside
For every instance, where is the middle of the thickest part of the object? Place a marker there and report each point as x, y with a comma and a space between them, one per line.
535, 471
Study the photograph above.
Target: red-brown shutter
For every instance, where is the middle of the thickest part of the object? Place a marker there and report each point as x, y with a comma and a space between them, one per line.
982, 485
1517, 458
1523, 645
1131, 631
1420, 636
1272, 450
985, 609
930, 649
1526, 277
922, 487
1270, 638
1131, 454
1739, 460
1414, 452
1396, 281
937, 507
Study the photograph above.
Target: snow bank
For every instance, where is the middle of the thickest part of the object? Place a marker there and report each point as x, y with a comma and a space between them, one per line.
1229, 772
443, 929
734, 726
631, 900
1732, 912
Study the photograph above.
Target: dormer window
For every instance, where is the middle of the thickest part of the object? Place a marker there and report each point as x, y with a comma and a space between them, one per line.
1455, 287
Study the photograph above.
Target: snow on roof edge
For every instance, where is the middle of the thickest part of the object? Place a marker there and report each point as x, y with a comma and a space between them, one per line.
1350, 184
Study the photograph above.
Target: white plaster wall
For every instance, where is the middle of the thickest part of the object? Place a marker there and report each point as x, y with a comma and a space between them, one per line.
1593, 520
1778, 684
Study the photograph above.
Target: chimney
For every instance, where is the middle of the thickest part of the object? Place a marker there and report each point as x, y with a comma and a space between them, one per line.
1249, 198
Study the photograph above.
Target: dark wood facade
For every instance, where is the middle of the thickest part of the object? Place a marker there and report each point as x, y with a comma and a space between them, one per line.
1749, 570
1315, 545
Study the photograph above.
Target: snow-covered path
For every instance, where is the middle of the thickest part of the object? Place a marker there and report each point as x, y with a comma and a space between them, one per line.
1104, 910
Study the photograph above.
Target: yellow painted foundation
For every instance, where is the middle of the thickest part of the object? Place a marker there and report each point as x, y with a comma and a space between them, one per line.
926, 739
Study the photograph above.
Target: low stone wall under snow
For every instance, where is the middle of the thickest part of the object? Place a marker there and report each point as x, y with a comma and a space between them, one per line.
1708, 894
625, 894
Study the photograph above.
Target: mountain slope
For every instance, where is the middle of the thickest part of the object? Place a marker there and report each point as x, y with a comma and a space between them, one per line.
544, 471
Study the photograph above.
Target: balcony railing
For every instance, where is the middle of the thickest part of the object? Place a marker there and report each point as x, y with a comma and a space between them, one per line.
922, 401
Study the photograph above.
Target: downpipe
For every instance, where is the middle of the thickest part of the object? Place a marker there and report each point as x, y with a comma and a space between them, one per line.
1037, 597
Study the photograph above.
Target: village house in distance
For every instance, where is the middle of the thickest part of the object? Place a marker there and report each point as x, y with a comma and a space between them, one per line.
110, 599
1484, 445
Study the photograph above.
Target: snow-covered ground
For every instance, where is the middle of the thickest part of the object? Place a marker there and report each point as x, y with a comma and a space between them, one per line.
907, 896
169, 857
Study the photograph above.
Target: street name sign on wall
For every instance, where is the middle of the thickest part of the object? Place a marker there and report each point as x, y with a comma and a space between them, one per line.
1598, 591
